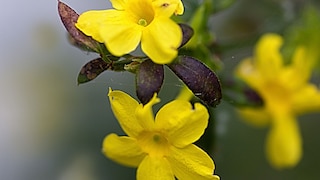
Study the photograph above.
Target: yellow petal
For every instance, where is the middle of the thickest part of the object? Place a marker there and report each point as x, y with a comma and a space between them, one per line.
118, 4
300, 70
283, 145
302, 65
124, 108
307, 99
268, 58
123, 150
144, 114
248, 73
167, 7
89, 23
255, 116
304, 59
180, 8
185, 94
153, 168
183, 124
120, 35
161, 39
191, 163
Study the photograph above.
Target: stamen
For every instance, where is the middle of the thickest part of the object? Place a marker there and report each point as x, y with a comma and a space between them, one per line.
156, 138
142, 22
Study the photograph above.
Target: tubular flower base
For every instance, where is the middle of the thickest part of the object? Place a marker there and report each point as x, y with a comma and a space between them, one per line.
286, 93
160, 147
135, 21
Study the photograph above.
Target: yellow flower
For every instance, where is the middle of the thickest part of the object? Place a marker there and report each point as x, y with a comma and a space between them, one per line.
135, 21
160, 147
185, 94
286, 93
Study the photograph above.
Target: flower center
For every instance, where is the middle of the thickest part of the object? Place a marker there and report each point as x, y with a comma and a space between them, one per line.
141, 12
277, 96
154, 143
142, 22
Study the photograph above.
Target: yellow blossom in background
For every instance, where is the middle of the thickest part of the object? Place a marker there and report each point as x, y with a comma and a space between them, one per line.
135, 21
160, 147
286, 92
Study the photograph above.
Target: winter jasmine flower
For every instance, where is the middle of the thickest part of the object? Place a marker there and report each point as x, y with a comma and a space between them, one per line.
286, 92
132, 22
160, 147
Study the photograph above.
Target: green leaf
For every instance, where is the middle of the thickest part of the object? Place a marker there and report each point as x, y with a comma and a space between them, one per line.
304, 32
220, 5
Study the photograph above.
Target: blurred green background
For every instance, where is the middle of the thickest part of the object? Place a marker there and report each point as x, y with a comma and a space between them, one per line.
52, 129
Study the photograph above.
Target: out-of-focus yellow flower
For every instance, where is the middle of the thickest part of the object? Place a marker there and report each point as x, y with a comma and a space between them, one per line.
286, 93
135, 21
160, 147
